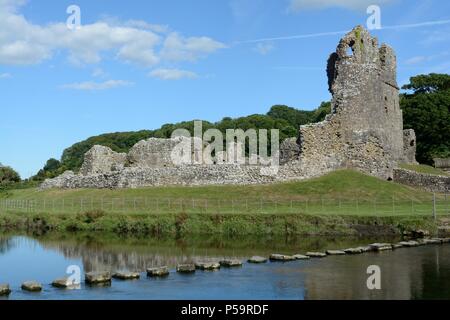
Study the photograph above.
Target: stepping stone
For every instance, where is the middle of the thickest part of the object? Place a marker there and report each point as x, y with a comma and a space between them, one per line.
158, 272
432, 241
126, 275
228, 263
257, 259
380, 246
409, 244
31, 286
281, 257
186, 268
300, 257
335, 252
101, 277
64, 283
4, 290
207, 265
353, 250
445, 240
397, 246
316, 254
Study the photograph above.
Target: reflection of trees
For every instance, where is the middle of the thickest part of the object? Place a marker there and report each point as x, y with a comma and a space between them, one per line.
436, 275
6, 244
109, 253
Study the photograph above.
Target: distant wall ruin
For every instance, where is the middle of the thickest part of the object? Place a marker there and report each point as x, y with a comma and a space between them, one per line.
363, 132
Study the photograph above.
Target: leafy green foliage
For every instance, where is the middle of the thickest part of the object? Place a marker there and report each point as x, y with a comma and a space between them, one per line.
426, 109
8, 176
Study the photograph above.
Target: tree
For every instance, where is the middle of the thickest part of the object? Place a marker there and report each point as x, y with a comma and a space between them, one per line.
8, 176
426, 109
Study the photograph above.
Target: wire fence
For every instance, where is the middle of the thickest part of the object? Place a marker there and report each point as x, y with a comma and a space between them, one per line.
438, 204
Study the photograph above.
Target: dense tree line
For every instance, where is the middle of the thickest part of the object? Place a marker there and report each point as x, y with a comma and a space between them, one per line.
426, 109
8, 177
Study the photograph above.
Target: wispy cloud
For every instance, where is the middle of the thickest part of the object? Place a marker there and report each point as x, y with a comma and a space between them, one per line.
300, 5
415, 60
172, 74
99, 73
5, 75
342, 32
97, 86
264, 47
422, 59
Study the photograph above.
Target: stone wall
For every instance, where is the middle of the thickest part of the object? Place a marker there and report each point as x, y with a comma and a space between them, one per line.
428, 182
100, 159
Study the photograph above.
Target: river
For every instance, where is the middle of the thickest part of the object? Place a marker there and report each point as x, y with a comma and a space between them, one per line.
406, 273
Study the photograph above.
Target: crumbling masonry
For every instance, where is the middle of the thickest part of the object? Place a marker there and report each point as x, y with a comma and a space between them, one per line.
364, 132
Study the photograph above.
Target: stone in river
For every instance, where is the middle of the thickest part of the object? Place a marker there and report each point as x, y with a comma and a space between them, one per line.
300, 257
126, 275
281, 257
231, 263
186, 268
358, 250
432, 241
101, 277
257, 259
4, 290
64, 283
32, 286
158, 272
380, 246
335, 252
207, 265
316, 254
409, 244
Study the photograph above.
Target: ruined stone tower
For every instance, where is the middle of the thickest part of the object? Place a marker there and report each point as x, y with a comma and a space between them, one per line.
365, 129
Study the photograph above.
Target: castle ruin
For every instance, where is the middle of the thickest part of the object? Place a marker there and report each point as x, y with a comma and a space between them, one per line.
364, 132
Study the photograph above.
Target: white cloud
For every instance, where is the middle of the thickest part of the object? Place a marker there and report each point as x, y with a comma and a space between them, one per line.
178, 48
5, 75
419, 59
96, 86
99, 73
172, 74
415, 60
264, 47
300, 5
137, 42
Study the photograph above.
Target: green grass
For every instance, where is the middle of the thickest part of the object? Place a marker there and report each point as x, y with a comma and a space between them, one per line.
343, 192
421, 168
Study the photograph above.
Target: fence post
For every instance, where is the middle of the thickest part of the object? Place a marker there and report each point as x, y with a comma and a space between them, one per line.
434, 206
446, 203
393, 205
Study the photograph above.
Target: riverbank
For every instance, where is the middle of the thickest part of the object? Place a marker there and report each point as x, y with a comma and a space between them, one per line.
344, 202
227, 224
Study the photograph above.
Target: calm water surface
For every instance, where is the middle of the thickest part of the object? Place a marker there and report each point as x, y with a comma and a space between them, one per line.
415, 273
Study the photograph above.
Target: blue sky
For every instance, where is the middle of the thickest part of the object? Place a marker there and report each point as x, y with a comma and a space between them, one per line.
139, 64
